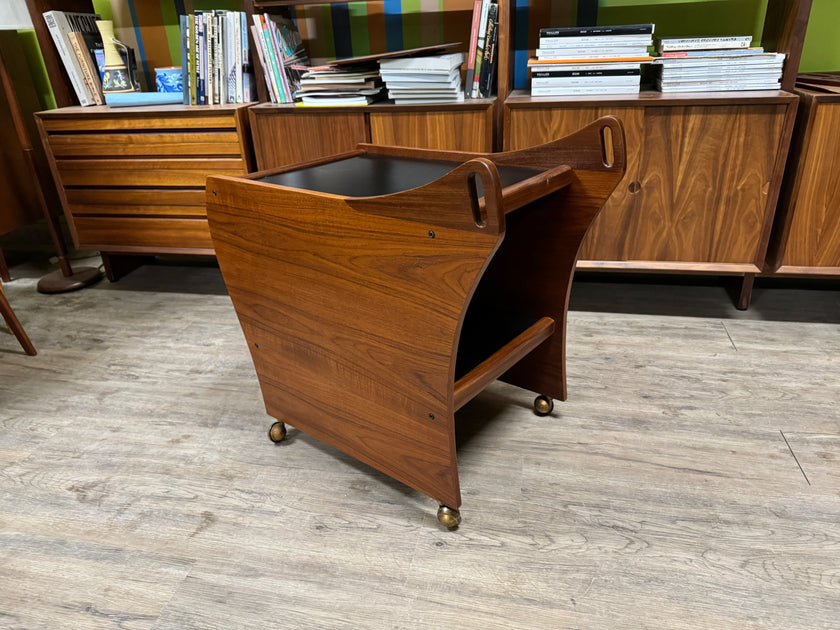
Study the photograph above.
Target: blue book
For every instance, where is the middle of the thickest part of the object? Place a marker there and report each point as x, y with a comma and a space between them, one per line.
139, 99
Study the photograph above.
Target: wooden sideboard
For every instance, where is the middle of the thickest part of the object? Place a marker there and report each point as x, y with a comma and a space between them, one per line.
131, 180
806, 237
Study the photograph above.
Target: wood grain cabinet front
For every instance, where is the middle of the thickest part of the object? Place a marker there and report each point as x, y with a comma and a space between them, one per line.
131, 180
286, 134
701, 183
806, 237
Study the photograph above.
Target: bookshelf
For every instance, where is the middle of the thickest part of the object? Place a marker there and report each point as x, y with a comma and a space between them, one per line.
704, 170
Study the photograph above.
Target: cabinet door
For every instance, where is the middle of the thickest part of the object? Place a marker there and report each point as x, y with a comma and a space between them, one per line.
813, 240
288, 136
696, 188
456, 130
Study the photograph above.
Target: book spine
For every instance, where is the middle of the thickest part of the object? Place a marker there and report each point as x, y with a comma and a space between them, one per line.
703, 43
608, 72
583, 67
488, 63
711, 53
271, 59
584, 60
200, 58
585, 81
236, 43
184, 26
470, 76
58, 28
192, 50
258, 42
282, 61
479, 49
583, 89
90, 73
605, 51
598, 40
580, 31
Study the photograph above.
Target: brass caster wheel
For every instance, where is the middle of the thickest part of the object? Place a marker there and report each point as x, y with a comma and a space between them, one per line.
449, 517
277, 432
543, 405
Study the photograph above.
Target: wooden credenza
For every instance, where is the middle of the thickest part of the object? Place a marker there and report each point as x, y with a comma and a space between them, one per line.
285, 134
806, 237
703, 175
131, 180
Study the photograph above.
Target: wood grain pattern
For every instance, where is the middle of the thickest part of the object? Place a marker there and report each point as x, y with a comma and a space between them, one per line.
363, 298
156, 144
697, 184
284, 137
808, 233
123, 173
144, 233
453, 130
142, 491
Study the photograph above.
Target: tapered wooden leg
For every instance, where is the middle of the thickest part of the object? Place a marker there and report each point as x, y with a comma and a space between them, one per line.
14, 325
119, 265
746, 292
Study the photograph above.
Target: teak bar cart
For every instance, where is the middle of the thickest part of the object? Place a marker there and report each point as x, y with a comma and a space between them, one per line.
380, 290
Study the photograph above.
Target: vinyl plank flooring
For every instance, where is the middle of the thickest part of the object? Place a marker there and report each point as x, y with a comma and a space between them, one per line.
138, 488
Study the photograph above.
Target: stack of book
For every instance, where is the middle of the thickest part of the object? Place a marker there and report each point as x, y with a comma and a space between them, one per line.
281, 53
715, 64
590, 60
482, 54
426, 79
346, 84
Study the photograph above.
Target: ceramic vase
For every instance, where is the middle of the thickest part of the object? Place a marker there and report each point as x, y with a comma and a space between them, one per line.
115, 77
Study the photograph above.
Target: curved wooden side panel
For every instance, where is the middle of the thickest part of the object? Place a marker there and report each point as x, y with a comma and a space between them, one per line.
533, 269
352, 316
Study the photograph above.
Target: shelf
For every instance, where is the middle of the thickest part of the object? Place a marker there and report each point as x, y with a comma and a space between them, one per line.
491, 343
469, 104
653, 98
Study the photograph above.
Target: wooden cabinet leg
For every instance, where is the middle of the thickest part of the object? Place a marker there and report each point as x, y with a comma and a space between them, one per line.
745, 296
120, 265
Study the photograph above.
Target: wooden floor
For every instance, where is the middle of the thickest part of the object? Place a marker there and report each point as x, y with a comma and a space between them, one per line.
692, 479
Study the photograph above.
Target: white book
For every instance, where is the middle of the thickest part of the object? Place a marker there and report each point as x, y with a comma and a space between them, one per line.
59, 27
425, 85
555, 42
434, 63
681, 62
583, 67
773, 75
721, 87
665, 44
427, 76
430, 101
585, 81
421, 93
584, 89
593, 53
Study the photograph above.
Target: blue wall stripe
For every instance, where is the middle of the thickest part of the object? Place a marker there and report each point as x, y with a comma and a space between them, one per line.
341, 30
520, 45
140, 53
393, 24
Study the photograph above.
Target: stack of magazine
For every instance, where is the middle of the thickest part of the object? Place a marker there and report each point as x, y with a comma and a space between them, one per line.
715, 64
426, 79
281, 53
590, 60
344, 84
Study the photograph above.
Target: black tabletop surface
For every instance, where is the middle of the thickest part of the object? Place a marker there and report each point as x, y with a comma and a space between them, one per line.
373, 175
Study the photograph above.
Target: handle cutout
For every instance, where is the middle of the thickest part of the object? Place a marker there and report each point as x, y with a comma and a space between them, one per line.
476, 189
607, 149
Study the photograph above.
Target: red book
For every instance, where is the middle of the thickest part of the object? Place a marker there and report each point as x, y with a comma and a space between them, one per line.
473, 43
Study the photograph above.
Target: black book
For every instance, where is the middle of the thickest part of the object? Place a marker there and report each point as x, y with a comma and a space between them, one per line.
488, 63
579, 31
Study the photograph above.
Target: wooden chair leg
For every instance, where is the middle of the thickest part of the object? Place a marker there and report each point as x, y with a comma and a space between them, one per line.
4, 268
14, 325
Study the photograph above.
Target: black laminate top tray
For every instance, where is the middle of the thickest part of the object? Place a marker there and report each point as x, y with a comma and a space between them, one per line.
374, 175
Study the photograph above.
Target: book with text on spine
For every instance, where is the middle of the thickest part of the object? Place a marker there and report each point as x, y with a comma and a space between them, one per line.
600, 31
733, 52
59, 27
665, 44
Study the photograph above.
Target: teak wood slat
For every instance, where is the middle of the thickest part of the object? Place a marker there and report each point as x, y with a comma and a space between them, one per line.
145, 172
356, 307
145, 144
140, 234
